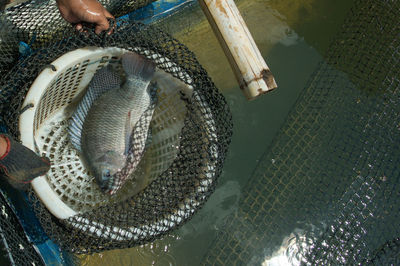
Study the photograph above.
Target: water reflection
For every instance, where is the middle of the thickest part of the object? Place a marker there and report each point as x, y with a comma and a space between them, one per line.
285, 31
291, 250
156, 253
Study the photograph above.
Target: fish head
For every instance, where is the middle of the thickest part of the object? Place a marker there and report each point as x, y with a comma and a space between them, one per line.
105, 177
106, 167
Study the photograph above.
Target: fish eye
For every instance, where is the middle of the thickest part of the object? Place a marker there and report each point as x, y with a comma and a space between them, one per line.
106, 173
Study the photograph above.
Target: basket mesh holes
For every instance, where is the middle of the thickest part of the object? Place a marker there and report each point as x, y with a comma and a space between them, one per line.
60, 92
69, 175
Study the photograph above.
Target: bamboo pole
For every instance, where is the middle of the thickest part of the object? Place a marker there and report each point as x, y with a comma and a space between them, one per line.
251, 71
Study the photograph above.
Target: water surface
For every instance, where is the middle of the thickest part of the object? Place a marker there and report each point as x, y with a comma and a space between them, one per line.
293, 37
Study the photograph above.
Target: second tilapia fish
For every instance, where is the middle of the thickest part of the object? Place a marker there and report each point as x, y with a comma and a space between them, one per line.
103, 124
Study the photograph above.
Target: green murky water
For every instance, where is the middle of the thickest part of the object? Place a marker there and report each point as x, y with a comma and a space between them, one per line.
292, 36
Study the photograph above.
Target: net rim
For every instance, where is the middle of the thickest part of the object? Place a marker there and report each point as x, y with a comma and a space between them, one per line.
188, 192
34, 95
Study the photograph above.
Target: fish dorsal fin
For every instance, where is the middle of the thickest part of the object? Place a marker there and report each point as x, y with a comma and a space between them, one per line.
128, 131
103, 80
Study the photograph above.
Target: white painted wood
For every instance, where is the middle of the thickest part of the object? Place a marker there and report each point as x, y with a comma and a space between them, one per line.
249, 66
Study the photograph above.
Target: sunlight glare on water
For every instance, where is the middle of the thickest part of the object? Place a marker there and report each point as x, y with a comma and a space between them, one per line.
292, 36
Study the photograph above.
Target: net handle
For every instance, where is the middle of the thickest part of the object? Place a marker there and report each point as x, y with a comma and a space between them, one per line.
249, 66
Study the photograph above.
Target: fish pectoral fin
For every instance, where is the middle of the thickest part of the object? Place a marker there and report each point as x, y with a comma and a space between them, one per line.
102, 158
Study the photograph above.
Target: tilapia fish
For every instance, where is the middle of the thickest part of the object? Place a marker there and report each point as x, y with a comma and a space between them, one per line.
110, 126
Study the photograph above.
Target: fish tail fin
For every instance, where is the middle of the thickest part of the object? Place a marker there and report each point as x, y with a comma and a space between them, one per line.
137, 65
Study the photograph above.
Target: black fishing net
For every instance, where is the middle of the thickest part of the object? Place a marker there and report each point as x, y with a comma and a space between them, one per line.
191, 131
37, 22
327, 190
19, 250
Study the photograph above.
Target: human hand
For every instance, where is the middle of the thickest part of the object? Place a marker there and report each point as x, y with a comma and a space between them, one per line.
20, 164
91, 11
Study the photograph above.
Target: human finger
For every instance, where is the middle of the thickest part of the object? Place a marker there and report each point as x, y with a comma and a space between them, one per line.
78, 27
108, 14
101, 25
111, 17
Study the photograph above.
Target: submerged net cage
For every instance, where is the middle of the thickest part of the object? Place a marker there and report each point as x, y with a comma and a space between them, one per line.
191, 130
327, 190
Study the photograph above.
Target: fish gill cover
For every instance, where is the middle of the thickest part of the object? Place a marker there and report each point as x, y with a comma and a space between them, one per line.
179, 190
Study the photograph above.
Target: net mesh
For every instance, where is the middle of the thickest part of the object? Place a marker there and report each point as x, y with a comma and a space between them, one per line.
19, 250
327, 189
38, 22
184, 165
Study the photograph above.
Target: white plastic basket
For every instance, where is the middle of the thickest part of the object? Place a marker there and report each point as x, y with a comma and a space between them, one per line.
67, 189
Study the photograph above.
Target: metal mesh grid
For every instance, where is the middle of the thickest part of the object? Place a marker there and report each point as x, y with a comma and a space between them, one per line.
388, 253
327, 190
174, 196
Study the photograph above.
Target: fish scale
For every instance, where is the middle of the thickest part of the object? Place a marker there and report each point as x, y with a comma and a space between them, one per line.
111, 111
103, 125
139, 138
